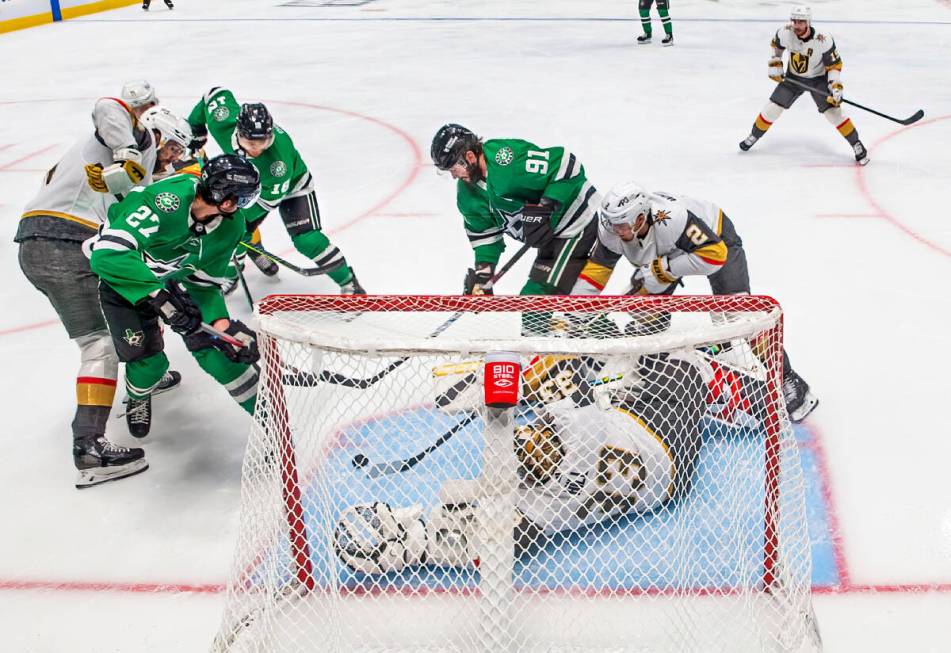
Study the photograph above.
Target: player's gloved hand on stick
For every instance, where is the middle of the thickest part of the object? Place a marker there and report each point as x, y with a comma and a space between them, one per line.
638, 280
536, 222
248, 354
176, 308
835, 94
476, 278
776, 69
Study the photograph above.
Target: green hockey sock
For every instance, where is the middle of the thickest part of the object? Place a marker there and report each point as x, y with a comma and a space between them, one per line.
646, 21
665, 20
142, 375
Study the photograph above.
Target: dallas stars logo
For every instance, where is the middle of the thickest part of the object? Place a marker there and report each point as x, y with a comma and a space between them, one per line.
504, 156
661, 216
221, 114
134, 338
167, 202
278, 169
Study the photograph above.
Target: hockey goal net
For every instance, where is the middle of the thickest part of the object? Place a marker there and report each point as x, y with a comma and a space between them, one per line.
641, 490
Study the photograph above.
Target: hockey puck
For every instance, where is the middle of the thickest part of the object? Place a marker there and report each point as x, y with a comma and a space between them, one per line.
360, 461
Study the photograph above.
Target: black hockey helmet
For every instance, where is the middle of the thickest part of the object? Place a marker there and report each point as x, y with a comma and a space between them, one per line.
450, 143
230, 176
255, 122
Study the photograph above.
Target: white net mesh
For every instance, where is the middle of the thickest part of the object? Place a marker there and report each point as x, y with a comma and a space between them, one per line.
644, 494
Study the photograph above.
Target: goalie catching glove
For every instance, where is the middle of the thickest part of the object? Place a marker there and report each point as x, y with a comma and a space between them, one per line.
120, 177
377, 538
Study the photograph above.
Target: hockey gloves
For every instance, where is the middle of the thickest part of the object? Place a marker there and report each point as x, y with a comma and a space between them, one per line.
174, 305
117, 179
199, 138
536, 222
835, 94
776, 69
477, 278
248, 354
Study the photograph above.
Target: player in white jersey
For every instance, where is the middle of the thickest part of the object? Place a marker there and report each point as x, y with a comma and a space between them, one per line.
173, 136
815, 62
68, 209
667, 237
581, 463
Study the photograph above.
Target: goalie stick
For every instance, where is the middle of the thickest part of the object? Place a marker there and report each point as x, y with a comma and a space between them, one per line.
913, 118
374, 470
307, 272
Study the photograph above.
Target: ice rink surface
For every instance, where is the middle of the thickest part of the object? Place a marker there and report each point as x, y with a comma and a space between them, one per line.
859, 257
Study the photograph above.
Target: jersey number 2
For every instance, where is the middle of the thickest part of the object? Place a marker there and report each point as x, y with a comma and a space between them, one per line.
143, 213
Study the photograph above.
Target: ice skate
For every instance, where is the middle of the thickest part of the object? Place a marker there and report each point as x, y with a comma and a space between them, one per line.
99, 460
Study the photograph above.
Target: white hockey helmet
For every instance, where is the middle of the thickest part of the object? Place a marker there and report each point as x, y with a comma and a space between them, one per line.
801, 12
138, 93
623, 204
170, 126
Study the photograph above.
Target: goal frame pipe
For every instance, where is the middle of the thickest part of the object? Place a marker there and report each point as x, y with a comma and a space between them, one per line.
290, 482
383, 303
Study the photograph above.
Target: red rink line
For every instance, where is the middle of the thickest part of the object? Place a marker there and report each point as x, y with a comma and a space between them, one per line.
863, 189
832, 514
372, 211
9, 165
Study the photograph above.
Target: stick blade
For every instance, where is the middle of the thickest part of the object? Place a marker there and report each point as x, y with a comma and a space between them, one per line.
918, 115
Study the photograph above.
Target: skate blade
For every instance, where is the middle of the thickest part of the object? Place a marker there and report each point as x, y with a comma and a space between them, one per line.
99, 475
807, 407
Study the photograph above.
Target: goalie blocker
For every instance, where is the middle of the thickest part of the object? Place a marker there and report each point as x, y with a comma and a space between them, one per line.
581, 463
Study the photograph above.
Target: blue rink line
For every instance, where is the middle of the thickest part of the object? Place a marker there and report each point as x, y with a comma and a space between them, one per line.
596, 560
495, 19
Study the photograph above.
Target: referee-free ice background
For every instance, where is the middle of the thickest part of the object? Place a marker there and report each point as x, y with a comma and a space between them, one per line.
859, 257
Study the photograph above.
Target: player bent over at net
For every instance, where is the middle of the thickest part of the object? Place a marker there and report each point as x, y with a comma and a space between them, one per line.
667, 237
539, 196
163, 256
581, 463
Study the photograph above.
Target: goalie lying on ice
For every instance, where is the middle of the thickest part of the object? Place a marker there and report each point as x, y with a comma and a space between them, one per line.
580, 464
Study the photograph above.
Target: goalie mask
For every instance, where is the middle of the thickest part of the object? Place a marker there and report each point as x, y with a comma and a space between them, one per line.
539, 452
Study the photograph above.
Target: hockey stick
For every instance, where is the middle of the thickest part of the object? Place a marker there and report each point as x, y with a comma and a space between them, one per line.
242, 281
298, 379
307, 272
361, 462
915, 117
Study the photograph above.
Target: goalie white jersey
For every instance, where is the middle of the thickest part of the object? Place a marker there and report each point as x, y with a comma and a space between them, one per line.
612, 464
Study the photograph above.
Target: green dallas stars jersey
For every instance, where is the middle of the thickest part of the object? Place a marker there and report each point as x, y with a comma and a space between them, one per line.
151, 237
283, 172
520, 173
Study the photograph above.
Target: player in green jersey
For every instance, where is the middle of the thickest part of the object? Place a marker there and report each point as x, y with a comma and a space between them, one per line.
164, 255
538, 196
286, 184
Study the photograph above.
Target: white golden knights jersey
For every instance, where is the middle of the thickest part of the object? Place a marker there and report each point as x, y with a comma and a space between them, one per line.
683, 240
66, 193
631, 458
813, 56
611, 465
